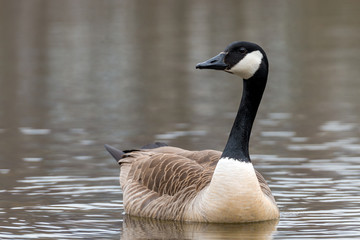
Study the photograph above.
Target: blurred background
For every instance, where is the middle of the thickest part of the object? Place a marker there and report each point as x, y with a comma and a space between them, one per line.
75, 75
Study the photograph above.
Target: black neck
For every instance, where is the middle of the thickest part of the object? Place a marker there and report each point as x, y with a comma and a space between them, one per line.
237, 146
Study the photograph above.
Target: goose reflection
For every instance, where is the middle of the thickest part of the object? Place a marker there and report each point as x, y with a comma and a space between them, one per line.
146, 228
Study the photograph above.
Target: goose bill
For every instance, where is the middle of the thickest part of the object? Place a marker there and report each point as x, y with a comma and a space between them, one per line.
216, 63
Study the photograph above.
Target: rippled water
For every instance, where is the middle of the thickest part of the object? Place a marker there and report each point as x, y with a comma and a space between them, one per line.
78, 74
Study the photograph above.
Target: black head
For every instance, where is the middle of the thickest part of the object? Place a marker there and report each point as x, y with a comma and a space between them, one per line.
241, 58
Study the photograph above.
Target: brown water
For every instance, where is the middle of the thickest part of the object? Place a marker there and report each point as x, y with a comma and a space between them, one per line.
78, 74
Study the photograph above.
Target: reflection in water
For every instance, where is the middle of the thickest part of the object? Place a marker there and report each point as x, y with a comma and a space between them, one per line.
77, 74
145, 228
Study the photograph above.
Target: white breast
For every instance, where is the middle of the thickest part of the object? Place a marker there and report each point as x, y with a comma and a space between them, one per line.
234, 195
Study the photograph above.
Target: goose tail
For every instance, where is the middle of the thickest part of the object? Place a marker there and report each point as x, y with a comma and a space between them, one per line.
115, 153
118, 154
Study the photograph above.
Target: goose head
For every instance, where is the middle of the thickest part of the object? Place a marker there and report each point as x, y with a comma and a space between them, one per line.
248, 61
243, 59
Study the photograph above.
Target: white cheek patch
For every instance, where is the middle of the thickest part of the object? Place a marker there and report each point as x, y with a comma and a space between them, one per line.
248, 66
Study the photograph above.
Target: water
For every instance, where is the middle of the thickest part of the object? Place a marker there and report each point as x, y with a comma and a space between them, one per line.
77, 74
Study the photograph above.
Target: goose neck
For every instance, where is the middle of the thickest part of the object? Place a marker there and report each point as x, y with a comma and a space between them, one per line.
237, 146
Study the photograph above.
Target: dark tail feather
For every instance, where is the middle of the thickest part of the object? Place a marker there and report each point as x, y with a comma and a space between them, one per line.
116, 153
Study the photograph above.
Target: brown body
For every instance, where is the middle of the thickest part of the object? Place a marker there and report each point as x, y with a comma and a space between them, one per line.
161, 183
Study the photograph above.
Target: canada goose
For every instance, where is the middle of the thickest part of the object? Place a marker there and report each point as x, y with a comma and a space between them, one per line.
170, 183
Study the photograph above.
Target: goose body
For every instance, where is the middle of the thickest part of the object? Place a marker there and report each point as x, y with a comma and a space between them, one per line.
170, 183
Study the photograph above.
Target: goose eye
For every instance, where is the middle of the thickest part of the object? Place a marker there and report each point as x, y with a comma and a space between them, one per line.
242, 50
